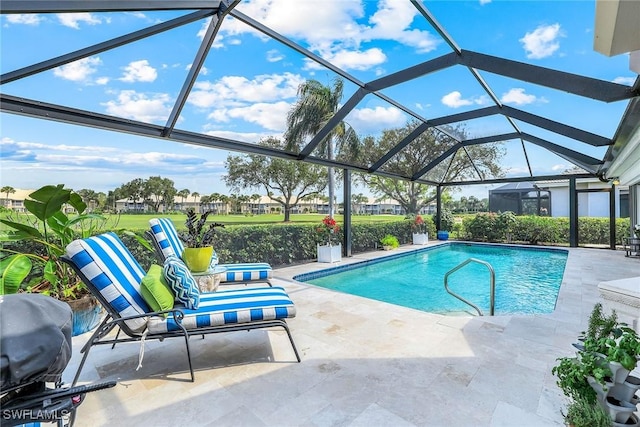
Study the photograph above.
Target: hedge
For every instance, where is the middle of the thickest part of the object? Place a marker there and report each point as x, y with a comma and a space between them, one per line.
293, 243
488, 227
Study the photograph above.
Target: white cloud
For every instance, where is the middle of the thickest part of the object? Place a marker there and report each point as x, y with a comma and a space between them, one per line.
270, 116
274, 56
542, 42
102, 80
237, 91
455, 100
78, 71
139, 71
72, 20
336, 32
350, 59
483, 2
203, 70
628, 81
25, 19
58, 147
252, 137
371, 120
392, 21
518, 97
560, 167
139, 106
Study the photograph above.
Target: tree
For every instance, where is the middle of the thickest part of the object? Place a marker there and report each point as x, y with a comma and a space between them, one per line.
316, 105
413, 196
183, 194
7, 190
132, 190
357, 201
89, 197
158, 191
215, 198
195, 195
286, 182
224, 199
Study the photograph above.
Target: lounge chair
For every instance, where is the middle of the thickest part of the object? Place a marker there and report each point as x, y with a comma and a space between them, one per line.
164, 237
114, 277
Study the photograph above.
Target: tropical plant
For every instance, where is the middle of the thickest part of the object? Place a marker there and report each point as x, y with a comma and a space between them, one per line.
52, 231
316, 105
198, 234
13, 270
390, 241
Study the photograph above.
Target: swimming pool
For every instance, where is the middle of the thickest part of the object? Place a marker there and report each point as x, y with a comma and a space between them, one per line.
527, 279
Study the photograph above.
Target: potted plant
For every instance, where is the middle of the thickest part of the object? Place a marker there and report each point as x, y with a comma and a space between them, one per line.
446, 224
419, 231
581, 413
331, 252
198, 241
389, 242
46, 235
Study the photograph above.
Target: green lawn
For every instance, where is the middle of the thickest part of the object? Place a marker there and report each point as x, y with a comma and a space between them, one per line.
141, 222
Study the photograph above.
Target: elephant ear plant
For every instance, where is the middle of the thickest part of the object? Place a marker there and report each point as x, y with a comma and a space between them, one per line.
46, 236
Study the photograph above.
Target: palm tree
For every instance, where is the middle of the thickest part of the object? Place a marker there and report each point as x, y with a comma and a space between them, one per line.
195, 195
215, 198
183, 194
7, 190
224, 199
316, 105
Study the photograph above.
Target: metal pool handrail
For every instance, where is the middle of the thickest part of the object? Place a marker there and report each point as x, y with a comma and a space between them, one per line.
492, 285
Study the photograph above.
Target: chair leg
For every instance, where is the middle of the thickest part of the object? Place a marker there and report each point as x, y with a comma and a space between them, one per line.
85, 350
115, 341
295, 350
186, 341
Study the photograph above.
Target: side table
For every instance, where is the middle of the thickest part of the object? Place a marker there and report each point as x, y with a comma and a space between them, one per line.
209, 280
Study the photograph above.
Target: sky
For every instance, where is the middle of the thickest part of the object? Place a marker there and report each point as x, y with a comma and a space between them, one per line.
249, 82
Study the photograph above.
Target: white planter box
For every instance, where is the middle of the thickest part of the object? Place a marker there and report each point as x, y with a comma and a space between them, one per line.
328, 253
420, 239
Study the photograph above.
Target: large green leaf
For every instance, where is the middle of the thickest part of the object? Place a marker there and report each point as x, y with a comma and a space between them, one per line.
76, 201
26, 230
46, 201
13, 270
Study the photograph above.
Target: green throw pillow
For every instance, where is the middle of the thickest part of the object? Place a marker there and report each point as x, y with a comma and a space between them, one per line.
155, 291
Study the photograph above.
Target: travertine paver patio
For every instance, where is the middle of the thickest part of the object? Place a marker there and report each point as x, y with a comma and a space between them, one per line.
364, 363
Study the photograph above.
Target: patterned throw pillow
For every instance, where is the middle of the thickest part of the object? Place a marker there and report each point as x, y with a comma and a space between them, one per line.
155, 290
214, 261
181, 281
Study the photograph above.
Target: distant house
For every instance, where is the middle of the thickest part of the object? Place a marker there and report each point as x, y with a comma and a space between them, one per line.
15, 201
552, 198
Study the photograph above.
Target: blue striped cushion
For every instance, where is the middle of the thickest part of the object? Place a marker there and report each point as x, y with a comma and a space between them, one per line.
181, 281
113, 271
231, 307
166, 235
246, 272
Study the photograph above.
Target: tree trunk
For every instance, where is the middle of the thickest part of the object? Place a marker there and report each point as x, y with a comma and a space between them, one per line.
287, 213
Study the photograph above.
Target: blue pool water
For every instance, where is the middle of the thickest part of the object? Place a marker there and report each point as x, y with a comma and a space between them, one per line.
527, 279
